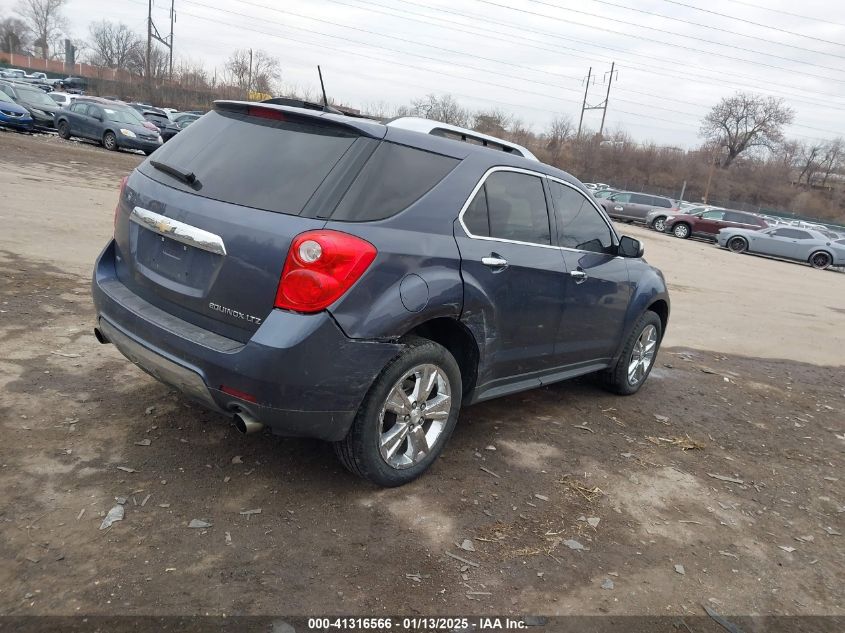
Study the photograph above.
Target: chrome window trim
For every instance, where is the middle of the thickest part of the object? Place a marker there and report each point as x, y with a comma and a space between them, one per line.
519, 170
178, 231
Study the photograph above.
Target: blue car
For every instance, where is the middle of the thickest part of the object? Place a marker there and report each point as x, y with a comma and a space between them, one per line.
12, 115
338, 278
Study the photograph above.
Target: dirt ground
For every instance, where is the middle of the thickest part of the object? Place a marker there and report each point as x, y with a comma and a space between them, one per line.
719, 484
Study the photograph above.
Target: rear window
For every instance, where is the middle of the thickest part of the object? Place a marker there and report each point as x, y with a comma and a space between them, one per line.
256, 162
395, 177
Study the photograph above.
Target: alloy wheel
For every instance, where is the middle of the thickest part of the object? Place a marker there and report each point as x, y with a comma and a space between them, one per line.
737, 244
681, 230
659, 225
820, 260
642, 355
414, 415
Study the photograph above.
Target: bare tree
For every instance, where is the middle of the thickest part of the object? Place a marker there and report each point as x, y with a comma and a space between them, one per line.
159, 62
494, 122
809, 161
44, 18
746, 121
834, 159
444, 109
559, 132
113, 45
258, 74
192, 74
14, 36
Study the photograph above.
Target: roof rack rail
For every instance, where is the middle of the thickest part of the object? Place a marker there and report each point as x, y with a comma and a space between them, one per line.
436, 128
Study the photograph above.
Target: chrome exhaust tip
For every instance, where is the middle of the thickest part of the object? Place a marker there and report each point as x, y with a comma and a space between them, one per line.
246, 424
101, 338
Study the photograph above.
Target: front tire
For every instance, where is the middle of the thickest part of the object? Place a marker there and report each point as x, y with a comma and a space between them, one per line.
681, 230
406, 417
820, 260
737, 245
659, 224
637, 357
110, 141
63, 130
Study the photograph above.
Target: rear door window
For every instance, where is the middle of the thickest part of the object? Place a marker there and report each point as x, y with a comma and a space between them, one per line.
638, 198
393, 179
475, 218
579, 224
259, 162
517, 208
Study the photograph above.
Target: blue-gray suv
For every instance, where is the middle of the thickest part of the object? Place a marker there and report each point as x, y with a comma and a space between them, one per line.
358, 282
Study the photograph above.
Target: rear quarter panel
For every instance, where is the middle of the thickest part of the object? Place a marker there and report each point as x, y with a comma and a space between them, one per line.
416, 275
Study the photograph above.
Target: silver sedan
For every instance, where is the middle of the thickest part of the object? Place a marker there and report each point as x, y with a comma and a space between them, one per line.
803, 245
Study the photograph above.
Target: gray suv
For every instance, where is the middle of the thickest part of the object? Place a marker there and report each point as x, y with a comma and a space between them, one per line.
628, 205
337, 278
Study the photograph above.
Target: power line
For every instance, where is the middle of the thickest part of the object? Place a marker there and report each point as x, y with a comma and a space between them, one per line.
675, 34
733, 17
322, 46
403, 39
460, 27
509, 87
782, 12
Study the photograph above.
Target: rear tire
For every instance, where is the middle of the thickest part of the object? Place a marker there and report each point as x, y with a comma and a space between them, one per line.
63, 130
637, 357
392, 440
737, 245
681, 230
820, 260
110, 141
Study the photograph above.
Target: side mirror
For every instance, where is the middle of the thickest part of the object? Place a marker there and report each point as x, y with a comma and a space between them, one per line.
629, 247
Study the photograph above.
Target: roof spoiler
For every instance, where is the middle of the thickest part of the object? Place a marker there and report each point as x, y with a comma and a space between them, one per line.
364, 127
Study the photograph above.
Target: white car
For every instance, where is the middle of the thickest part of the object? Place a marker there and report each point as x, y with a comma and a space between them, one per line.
62, 99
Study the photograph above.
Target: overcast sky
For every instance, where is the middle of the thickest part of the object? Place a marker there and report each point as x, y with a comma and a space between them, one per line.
530, 57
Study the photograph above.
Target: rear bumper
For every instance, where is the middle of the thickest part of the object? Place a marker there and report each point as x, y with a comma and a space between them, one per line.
307, 377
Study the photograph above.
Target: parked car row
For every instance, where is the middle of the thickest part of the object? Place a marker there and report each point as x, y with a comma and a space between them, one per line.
40, 107
738, 231
25, 108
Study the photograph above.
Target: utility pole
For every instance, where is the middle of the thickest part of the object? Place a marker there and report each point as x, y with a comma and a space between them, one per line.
153, 34
584, 103
172, 21
607, 98
249, 80
149, 42
602, 106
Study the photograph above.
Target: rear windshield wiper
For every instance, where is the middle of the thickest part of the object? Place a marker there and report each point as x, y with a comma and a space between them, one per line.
187, 177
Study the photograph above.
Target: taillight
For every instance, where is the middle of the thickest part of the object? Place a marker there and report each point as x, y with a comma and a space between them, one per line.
320, 267
119, 198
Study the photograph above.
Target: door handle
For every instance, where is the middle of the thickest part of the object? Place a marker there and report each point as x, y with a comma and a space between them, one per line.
494, 261
579, 275
617, 208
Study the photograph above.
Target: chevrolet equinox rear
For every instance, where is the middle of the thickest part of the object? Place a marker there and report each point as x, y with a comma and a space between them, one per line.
337, 278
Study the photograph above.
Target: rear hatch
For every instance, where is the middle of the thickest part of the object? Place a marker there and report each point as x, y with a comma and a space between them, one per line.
204, 225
